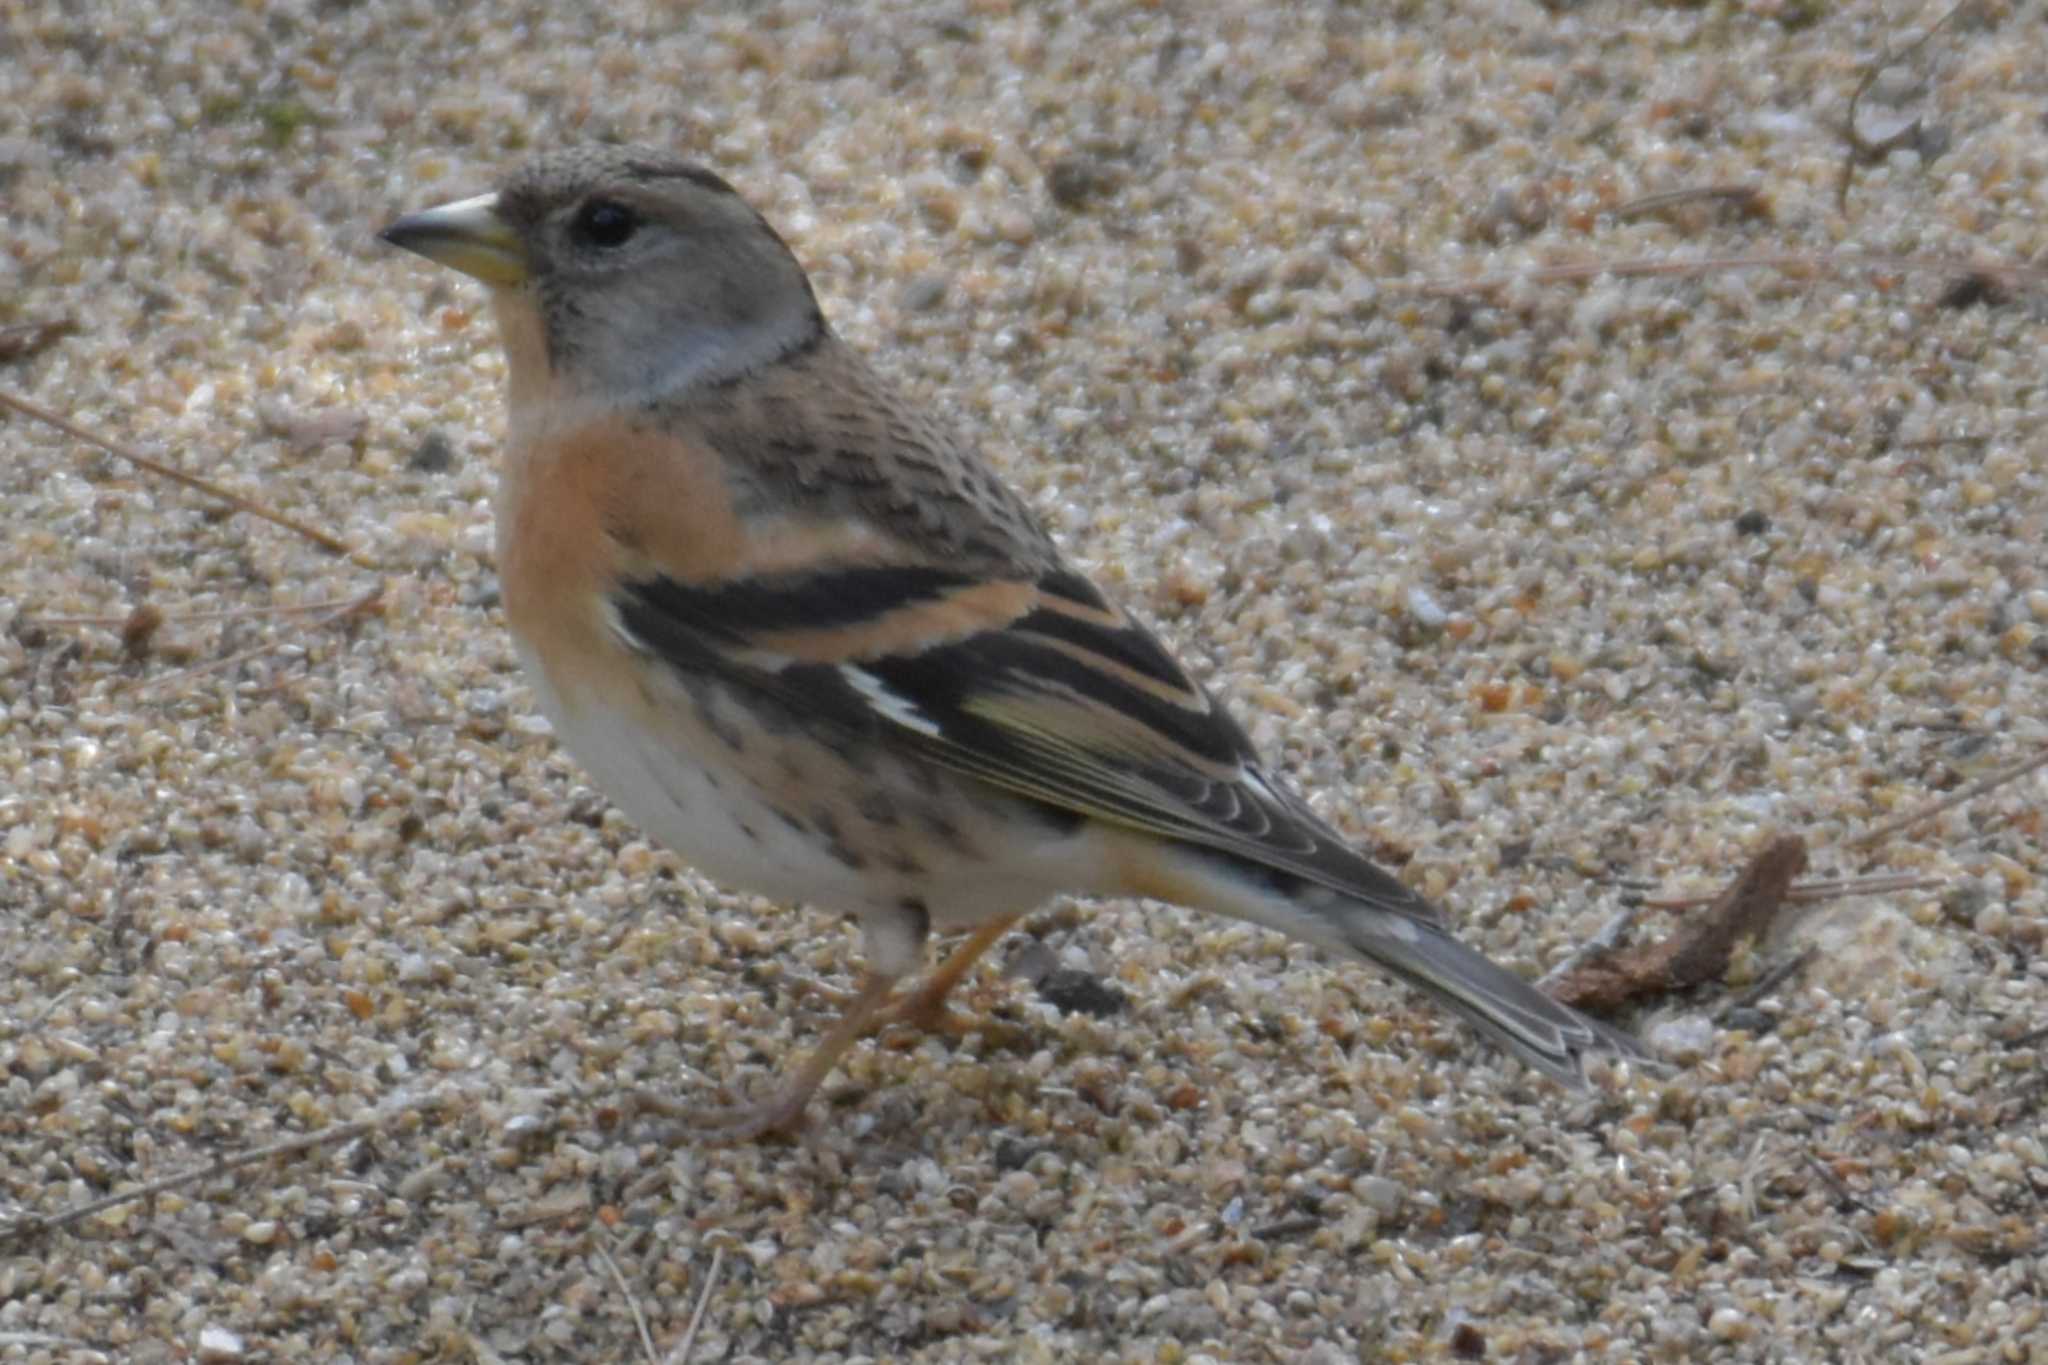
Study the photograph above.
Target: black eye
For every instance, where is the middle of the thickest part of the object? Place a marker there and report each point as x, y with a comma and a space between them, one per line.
604, 223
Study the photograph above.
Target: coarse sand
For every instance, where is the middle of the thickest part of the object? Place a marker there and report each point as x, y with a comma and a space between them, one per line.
1584, 440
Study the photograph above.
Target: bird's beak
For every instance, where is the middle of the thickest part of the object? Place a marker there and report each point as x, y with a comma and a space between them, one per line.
467, 235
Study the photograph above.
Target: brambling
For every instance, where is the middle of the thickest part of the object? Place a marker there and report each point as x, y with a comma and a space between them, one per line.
802, 635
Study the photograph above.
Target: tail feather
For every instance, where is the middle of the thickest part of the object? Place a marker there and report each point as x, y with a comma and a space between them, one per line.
1553, 1038
1401, 933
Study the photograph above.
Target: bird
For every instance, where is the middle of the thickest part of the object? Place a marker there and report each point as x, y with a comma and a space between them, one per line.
796, 627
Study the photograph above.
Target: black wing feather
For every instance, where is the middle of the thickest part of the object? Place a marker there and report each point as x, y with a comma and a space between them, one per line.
1070, 704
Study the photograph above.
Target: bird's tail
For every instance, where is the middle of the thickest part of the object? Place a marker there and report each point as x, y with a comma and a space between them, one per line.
1553, 1038
1399, 932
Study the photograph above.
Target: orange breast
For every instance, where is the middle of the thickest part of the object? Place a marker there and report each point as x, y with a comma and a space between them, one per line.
582, 509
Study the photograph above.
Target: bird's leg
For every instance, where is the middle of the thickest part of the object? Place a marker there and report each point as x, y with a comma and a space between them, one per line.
783, 1112
874, 1006
924, 1006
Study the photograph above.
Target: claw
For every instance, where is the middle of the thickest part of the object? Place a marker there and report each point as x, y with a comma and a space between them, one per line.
780, 1117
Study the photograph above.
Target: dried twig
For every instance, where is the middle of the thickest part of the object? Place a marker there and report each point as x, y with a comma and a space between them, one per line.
681, 1354
2028, 1039
25, 1225
1286, 1227
1602, 975
185, 617
49, 1007
1834, 1182
2024, 1099
1609, 940
1940, 443
1862, 150
1747, 198
25, 340
632, 1304
177, 476
360, 606
1822, 889
1772, 979
1953, 799
2016, 277
1701, 949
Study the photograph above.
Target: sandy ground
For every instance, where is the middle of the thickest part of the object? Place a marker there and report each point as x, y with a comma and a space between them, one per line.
1550, 591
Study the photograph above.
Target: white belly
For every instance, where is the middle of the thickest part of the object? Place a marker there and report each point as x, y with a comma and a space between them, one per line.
709, 820
802, 841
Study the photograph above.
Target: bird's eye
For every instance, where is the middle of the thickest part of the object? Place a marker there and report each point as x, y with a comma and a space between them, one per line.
604, 223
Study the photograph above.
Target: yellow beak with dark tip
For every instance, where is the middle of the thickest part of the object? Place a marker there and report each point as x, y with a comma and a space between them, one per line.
467, 235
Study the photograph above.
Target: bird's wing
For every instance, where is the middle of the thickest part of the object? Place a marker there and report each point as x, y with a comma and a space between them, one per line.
1035, 684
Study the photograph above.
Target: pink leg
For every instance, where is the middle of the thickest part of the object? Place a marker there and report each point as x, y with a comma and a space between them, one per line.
783, 1112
